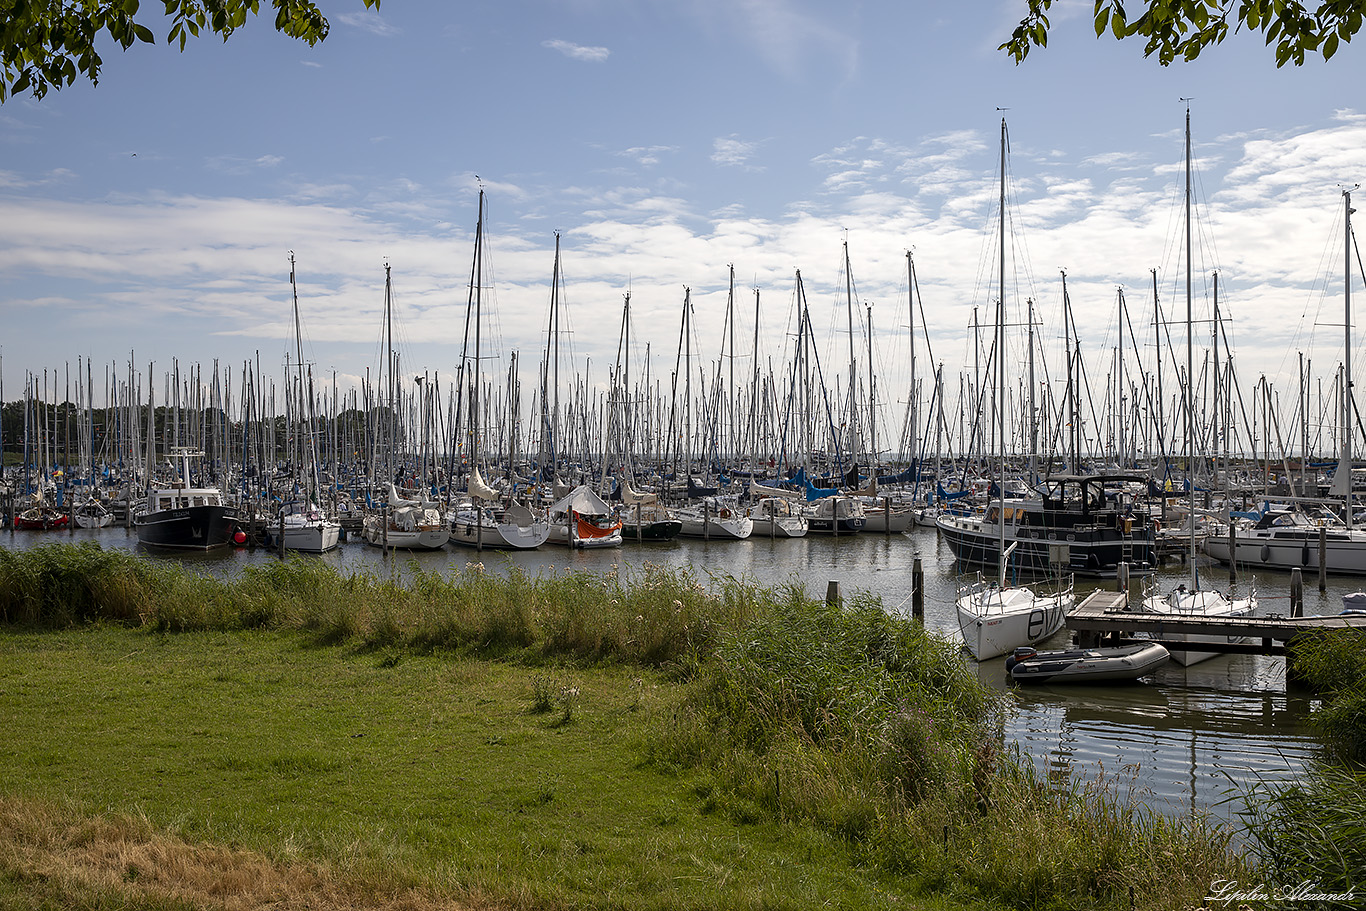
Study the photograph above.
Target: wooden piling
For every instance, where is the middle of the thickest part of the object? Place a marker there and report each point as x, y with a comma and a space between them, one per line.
1122, 577
1323, 558
832, 592
917, 589
1296, 592
1232, 552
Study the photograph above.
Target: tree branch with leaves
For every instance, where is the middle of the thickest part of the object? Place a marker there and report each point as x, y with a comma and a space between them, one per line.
1185, 28
49, 44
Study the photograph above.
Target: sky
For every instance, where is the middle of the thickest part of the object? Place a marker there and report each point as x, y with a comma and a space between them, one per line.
151, 218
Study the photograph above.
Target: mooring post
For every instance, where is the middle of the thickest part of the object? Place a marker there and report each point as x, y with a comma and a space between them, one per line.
917, 589
1232, 552
1122, 578
1323, 558
887, 516
1296, 592
832, 592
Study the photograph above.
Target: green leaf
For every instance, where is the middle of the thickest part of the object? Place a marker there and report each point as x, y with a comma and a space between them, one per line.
1330, 47
1102, 19
143, 33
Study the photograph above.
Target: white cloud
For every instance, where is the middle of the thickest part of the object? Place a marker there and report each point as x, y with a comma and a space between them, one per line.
728, 151
646, 156
370, 21
577, 51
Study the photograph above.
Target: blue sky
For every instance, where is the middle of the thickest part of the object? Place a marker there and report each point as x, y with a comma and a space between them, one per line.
153, 215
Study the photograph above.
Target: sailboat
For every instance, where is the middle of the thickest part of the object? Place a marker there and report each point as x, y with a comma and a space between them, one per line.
410, 523
93, 513
643, 517
776, 513
1190, 599
303, 526
994, 617
583, 519
479, 521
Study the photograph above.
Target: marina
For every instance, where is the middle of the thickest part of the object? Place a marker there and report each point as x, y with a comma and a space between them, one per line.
1005, 534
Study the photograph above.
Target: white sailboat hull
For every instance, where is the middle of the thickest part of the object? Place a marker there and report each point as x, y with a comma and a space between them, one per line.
1186, 603
995, 620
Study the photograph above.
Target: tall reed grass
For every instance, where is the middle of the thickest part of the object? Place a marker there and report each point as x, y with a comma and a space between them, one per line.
867, 726
654, 616
1334, 665
1314, 832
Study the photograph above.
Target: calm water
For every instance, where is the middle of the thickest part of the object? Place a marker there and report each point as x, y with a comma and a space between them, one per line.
1191, 739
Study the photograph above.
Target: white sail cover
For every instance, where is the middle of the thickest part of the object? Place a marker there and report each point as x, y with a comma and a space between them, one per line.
479, 489
632, 497
758, 491
581, 500
396, 500
869, 491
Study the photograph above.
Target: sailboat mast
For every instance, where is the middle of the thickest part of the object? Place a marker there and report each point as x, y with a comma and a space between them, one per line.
554, 372
1033, 414
729, 397
872, 401
853, 371
476, 295
1158, 329
1190, 357
1347, 353
1000, 366
754, 391
1119, 384
389, 367
915, 399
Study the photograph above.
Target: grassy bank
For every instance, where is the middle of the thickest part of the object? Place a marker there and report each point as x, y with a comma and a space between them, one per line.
632, 741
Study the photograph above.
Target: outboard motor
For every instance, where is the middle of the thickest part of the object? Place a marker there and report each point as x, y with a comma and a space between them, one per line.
1021, 653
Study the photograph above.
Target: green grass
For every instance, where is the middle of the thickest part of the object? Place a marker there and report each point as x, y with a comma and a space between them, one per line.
428, 770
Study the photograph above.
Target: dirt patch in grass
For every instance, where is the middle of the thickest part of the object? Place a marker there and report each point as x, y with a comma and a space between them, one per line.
60, 858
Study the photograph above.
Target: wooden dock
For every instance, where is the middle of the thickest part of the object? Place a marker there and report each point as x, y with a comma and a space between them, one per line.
1107, 615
